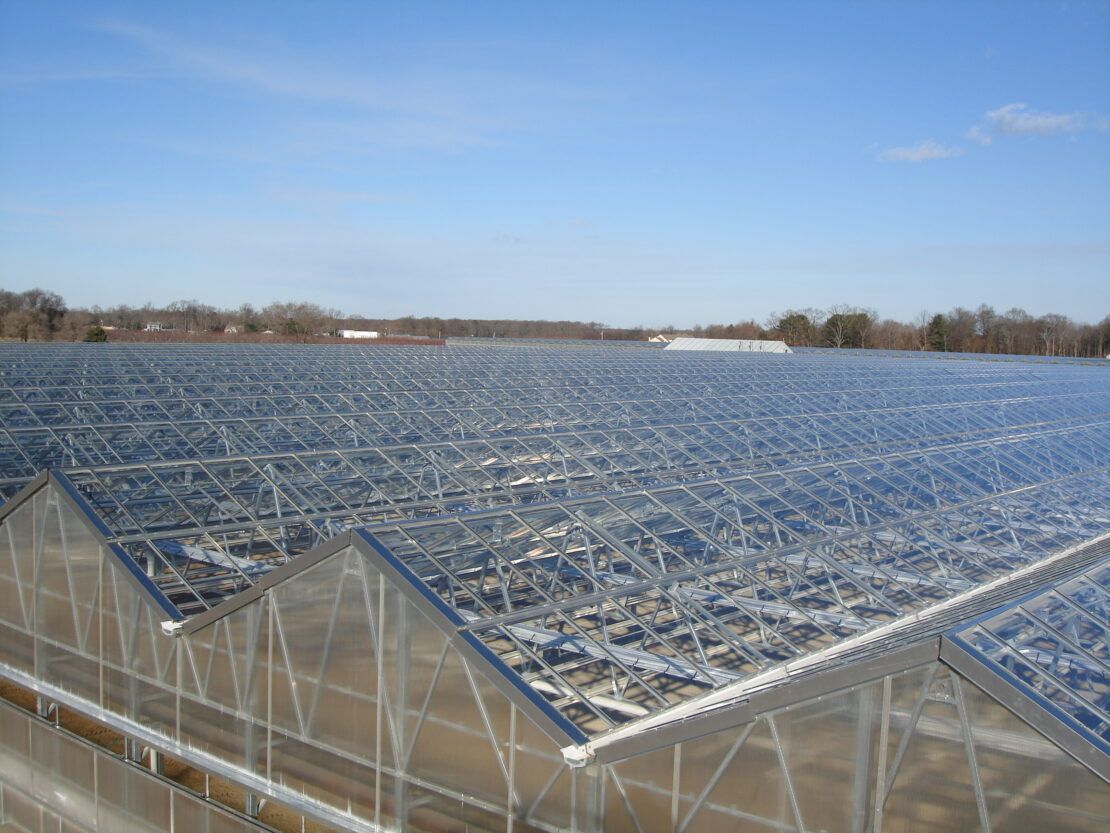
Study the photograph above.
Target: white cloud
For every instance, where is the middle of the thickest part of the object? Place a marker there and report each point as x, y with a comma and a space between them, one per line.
1008, 120
978, 134
1018, 120
923, 151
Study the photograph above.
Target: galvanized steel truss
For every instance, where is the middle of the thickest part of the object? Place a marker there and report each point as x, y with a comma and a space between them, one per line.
578, 542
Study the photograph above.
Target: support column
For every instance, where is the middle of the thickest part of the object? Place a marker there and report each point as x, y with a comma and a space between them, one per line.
861, 782
401, 705
45, 708
258, 617
591, 799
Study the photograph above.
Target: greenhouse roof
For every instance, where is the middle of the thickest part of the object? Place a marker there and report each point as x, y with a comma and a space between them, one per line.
1053, 645
621, 605
630, 536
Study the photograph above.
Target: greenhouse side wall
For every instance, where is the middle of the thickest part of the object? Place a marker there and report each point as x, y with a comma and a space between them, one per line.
289, 695
334, 685
51, 782
889, 755
333, 692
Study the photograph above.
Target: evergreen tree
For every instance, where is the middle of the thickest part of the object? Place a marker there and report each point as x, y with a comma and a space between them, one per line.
936, 334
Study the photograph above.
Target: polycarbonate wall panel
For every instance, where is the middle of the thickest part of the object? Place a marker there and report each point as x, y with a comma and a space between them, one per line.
451, 748
223, 688
1028, 783
138, 663
17, 583
75, 621
371, 710
51, 782
50, 565
823, 765
285, 688
67, 592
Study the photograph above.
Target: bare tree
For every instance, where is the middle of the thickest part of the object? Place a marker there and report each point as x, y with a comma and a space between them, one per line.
837, 325
960, 328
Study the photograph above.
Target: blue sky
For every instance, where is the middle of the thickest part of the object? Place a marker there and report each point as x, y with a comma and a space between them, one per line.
623, 162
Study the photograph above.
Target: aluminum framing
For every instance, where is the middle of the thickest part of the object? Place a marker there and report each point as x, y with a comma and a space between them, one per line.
497, 648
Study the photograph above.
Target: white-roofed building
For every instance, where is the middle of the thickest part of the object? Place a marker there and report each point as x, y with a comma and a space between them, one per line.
742, 345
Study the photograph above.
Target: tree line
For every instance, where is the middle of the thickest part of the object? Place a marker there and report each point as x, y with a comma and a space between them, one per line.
39, 315
960, 330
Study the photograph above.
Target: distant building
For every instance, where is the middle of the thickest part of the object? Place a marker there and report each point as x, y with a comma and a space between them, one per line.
661, 339
358, 334
742, 345
153, 327
231, 330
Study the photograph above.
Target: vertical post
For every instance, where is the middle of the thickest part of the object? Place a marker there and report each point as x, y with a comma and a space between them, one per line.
676, 786
511, 805
884, 738
272, 621
379, 723
787, 781
574, 773
401, 705
133, 750
252, 805
862, 779
592, 804
972, 762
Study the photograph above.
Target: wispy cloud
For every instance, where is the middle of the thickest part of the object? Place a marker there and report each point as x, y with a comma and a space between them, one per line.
227, 67
979, 134
446, 108
923, 151
29, 210
229, 258
327, 198
64, 77
1018, 120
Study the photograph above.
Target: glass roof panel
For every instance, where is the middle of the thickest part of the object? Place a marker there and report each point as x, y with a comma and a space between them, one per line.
1054, 645
624, 528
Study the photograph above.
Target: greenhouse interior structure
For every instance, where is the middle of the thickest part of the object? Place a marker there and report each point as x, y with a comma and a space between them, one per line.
516, 587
